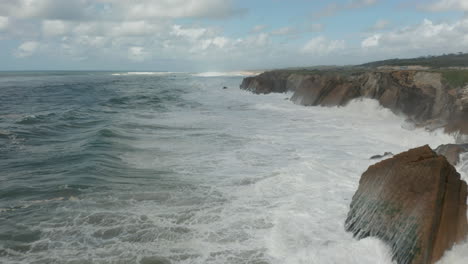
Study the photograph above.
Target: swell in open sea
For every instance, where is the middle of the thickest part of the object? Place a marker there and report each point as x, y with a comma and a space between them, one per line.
100, 167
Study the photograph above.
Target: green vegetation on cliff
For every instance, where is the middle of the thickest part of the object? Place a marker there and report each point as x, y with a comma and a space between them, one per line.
455, 78
443, 61
453, 67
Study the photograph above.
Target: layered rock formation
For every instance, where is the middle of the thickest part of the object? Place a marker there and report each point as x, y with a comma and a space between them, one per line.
423, 96
415, 202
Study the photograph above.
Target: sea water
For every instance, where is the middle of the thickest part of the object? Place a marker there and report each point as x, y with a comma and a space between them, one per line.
103, 167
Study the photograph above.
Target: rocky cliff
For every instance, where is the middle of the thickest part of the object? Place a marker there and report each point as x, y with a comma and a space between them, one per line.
425, 97
415, 202
452, 152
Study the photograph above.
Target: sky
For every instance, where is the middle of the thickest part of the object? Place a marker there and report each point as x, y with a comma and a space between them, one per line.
222, 35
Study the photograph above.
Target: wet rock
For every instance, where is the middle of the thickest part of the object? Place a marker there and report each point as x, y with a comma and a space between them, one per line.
452, 152
386, 154
415, 202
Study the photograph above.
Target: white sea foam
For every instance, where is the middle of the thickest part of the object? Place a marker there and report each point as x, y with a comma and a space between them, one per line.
459, 253
144, 73
241, 178
227, 74
280, 176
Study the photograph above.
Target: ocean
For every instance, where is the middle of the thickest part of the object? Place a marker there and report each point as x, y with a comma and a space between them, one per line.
155, 167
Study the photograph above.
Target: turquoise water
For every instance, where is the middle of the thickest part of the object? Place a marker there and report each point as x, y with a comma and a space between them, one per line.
100, 167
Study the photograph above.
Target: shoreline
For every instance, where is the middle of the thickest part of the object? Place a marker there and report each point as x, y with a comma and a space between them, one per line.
424, 97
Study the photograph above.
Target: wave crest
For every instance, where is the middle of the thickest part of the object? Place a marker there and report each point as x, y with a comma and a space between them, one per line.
143, 73
226, 74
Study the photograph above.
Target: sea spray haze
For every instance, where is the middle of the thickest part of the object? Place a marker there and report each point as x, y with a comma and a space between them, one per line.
105, 168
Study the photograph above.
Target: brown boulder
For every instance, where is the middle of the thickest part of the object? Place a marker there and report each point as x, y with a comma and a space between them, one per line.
415, 202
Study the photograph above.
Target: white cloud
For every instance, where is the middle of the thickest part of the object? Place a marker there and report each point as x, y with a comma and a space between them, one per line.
372, 41
289, 31
137, 54
427, 38
117, 9
121, 30
259, 40
4, 22
380, 24
103, 30
322, 46
53, 27
134, 28
46, 9
91, 41
26, 49
262, 39
175, 8
191, 33
211, 43
444, 5
92, 28
219, 42
137, 40
258, 28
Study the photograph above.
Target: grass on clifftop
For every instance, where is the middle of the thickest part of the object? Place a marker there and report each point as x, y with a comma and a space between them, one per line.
447, 60
455, 78
453, 67
343, 70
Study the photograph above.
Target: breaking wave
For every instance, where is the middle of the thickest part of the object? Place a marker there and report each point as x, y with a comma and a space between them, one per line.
144, 73
226, 74
177, 170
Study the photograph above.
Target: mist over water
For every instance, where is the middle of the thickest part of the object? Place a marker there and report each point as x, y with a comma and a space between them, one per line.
172, 168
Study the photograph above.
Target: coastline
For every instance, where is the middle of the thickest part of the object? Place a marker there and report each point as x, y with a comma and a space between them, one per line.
425, 97
385, 205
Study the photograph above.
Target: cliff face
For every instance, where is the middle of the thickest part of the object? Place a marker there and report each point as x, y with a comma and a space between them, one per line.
423, 96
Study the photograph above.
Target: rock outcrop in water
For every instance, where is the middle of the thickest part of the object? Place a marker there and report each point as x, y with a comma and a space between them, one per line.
386, 154
425, 97
452, 152
415, 202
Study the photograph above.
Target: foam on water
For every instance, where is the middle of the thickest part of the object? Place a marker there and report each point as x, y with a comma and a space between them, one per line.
144, 73
226, 74
219, 176
459, 253
284, 187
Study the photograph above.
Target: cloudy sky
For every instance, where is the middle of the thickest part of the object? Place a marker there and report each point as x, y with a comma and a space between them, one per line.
204, 35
